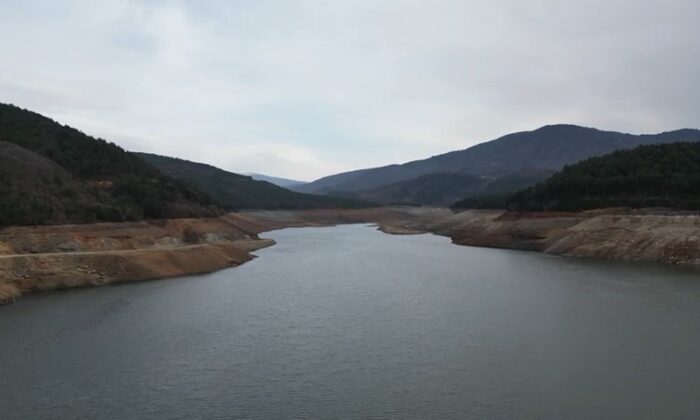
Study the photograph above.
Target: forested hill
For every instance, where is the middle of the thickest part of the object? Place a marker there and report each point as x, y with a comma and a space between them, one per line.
236, 192
51, 173
664, 175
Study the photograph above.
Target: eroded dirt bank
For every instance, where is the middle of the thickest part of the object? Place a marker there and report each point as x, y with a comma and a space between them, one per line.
617, 234
55, 257
647, 235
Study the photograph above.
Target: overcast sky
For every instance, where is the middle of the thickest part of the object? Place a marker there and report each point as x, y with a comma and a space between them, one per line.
306, 88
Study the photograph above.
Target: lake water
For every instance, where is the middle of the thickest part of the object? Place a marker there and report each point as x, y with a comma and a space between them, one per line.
348, 322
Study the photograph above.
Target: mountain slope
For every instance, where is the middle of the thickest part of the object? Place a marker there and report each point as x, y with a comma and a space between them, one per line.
54, 174
280, 182
237, 192
546, 149
666, 175
443, 189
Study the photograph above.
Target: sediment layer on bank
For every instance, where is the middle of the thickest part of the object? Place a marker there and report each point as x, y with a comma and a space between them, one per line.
65, 256
54, 257
650, 235
615, 234
57, 257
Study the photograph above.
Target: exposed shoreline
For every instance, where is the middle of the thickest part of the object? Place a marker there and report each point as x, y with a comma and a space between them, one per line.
654, 236
38, 258
67, 256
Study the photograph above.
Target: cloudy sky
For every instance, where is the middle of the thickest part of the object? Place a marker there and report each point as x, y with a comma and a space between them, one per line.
306, 88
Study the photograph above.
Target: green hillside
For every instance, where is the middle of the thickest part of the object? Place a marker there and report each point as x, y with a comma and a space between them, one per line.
51, 173
664, 175
35, 190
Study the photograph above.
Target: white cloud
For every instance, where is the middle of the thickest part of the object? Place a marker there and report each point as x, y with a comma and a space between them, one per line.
306, 88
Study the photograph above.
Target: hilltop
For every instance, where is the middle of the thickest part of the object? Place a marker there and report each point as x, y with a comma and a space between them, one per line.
51, 173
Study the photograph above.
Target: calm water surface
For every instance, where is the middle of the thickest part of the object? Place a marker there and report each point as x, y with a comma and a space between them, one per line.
349, 323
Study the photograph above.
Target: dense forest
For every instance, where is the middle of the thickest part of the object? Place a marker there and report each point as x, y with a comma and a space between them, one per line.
35, 190
50, 173
236, 192
664, 175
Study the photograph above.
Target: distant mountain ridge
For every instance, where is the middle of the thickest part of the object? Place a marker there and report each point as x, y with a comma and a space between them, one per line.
280, 182
52, 173
236, 192
548, 148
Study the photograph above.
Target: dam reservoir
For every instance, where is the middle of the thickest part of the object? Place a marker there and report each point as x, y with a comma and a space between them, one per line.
348, 322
